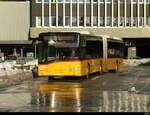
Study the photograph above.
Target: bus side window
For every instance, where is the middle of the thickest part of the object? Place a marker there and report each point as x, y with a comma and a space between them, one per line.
83, 52
115, 50
94, 49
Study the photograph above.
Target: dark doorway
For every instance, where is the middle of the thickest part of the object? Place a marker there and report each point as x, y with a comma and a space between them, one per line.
142, 46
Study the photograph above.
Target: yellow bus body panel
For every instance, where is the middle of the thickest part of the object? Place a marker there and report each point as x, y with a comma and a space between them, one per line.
76, 68
113, 62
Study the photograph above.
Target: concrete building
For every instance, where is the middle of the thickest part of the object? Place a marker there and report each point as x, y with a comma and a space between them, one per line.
128, 19
14, 28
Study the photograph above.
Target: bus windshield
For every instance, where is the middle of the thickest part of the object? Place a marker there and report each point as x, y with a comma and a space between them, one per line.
52, 53
58, 47
66, 53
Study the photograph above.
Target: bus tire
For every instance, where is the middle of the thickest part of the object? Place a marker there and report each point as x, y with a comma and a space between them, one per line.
50, 78
88, 71
115, 69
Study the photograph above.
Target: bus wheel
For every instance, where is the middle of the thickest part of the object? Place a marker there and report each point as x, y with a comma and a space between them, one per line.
50, 78
88, 71
115, 70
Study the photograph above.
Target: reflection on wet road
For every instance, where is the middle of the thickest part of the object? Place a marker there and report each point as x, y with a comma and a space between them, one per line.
101, 93
74, 97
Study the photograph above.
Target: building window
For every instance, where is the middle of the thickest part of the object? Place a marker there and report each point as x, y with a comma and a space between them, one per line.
74, 1
95, 20
148, 1
38, 21
148, 21
88, 21
60, 1
101, 0
81, 21
67, 21
108, 21
134, 21
74, 21
102, 21
46, 21
60, 21
53, 20
67, 1
108, 1
115, 21
91, 13
108, 13
88, 0
134, 1
122, 21
128, 21
141, 21
40, 1
141, 1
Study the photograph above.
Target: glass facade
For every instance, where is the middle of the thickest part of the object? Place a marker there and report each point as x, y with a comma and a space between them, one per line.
93, 13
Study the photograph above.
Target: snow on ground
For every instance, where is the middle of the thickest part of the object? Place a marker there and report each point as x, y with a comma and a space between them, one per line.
136, 62
7, 68
10, 75
33, 62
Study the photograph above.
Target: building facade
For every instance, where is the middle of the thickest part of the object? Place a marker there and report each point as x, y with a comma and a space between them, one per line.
14, 28
120, 18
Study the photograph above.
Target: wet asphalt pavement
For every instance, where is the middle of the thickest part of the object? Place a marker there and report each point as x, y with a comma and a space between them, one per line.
100, 93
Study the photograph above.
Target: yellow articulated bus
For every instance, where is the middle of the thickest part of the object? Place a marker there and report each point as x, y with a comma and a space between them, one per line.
77, 54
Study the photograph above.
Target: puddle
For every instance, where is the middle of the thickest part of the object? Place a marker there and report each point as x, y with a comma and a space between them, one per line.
72, 96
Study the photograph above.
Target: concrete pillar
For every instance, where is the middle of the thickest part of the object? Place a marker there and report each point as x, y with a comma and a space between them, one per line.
70, 13
42, 13
64, 13
15, 52
132, 52
21, 52
50, 13
35, 51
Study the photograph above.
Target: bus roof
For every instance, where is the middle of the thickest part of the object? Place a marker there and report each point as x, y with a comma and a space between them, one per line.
115, 39
65, 32
79, 32
85, 33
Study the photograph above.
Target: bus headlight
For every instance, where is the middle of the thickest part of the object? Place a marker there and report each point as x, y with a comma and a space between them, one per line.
75, 69
42, 68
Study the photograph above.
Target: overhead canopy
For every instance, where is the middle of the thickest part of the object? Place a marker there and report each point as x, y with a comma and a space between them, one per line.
16, 42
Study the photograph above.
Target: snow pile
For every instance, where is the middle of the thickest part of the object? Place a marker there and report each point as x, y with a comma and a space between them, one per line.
33, 62
136, 62
11, 76
7, 65
28, 65
7, 68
